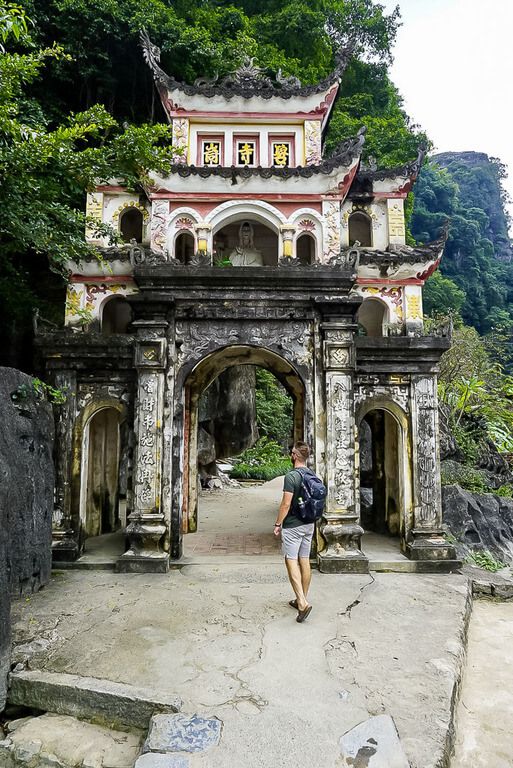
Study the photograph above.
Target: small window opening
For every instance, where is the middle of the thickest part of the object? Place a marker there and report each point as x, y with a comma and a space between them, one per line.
360, 229
305, 249
116, 316
184, 247
131, 225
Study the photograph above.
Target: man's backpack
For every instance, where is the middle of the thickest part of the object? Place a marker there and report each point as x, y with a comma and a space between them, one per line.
312, 497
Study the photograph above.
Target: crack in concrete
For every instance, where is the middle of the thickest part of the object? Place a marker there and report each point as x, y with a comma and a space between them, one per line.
358, 600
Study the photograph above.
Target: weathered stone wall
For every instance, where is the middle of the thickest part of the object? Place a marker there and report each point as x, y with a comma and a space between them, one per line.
26, 497
26, 490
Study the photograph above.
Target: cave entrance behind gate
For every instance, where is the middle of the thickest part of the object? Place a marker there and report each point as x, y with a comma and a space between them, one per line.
221, 423
385, 478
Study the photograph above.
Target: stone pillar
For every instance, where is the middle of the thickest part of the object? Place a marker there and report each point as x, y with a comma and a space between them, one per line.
146, 527
159, 226
340, 525
426, 541
413, 316
287, 238
204, 237
65, 535
396, 225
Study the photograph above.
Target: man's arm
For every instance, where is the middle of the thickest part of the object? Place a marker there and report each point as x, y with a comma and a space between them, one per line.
286, 501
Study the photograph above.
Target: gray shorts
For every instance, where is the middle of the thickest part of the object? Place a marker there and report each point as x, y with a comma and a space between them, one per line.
296, 542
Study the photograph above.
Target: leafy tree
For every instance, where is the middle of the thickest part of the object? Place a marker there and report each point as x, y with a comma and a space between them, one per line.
45, 171
273, 408
477, 256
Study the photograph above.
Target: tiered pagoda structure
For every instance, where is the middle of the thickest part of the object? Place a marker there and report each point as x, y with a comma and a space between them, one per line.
256, 249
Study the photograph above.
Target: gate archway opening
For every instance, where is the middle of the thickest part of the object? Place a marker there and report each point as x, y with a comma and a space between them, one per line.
246, 362
102, 481
385, 473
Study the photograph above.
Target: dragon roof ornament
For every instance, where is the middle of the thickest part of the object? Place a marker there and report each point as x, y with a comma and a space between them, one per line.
247, 80
409, 170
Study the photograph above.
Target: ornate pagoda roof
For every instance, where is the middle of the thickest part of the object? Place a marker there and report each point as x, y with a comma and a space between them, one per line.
400, 178
399, 261
247, 81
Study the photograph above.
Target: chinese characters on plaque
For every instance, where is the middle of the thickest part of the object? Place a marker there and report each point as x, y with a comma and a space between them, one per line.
211, 153
281, 153
246, 153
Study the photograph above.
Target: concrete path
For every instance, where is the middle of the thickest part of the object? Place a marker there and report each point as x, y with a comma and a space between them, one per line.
223, 638
484, 724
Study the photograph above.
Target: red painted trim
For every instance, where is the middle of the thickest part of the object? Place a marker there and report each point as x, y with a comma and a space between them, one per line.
345, 185
110, 188
242, 137
206, 196
387, 281
316, 114
390, 195
113, 280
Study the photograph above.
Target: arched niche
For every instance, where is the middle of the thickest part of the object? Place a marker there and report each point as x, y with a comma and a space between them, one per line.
184, 247
116, 316
305, 248
360, 229
131, 223
262, 236
372, 317
99, 487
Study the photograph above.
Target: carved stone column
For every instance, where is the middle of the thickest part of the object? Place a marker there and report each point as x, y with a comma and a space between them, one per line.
146, 527
426, 538
340, 525
65, 535
287, 236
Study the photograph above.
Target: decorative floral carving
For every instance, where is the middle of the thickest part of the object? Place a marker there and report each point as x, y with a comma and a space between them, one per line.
117, 213
307, 224
313, 142
184, 223
159, 225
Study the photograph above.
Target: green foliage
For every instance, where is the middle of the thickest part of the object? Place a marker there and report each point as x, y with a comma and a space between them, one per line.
264, 461
471, 479
466, 189
273, 408
485, 559
475, 389
440, 294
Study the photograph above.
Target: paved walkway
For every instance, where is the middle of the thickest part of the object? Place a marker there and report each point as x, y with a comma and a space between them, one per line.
223, 638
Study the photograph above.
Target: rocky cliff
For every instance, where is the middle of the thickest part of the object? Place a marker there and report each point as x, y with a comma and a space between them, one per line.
26, 497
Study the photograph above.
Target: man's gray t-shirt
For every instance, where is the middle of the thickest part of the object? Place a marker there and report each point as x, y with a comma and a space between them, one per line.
292, 484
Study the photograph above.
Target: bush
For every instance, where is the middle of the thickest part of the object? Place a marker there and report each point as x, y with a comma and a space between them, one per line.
264, 461
485, 559
467, 477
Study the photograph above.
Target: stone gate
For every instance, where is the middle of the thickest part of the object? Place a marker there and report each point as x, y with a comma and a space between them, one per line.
253, 250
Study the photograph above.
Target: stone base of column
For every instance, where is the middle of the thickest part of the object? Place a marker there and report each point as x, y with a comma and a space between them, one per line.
132, 562
144, 533
64, 547
343, 541
431, 546
353, 562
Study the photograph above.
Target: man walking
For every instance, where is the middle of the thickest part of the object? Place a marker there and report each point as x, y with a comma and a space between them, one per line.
296, 535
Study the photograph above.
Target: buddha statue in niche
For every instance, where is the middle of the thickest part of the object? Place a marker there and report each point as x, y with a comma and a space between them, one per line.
245, 254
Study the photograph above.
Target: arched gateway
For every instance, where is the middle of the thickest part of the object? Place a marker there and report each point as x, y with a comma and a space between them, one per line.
246, 256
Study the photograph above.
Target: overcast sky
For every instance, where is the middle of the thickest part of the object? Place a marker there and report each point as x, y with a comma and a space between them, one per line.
453, 64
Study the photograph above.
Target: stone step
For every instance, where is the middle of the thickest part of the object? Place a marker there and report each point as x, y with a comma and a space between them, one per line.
115, 704
415, 566
59, 741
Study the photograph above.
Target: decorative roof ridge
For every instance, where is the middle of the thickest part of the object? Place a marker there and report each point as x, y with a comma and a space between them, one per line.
347, 151
246, 81
405, 254
409, 170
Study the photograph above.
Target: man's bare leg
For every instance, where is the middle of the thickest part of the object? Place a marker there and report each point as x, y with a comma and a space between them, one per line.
294, 574
306, 574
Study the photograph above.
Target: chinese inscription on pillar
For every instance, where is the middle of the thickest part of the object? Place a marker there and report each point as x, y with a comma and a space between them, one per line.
427, 464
